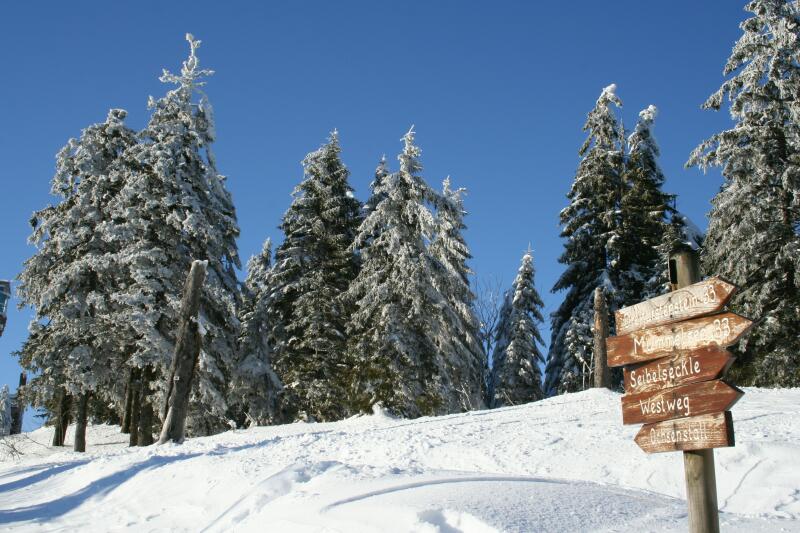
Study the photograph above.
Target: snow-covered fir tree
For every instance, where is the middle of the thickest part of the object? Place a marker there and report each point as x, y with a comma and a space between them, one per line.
314, 265
174, 208
591, 227
643, 211
257, 387
463, 356
516, 377
752, 237
77, 344
5, 411
396, 328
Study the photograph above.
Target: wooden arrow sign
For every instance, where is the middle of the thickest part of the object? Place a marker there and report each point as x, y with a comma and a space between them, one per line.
693, 433
660, 341
679, 402
693, 301
693, 366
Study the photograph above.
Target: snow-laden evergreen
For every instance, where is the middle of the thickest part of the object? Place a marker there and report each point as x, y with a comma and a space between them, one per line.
77, 342
516, 377
593, 247
256, 387
173, 209
643, 211
753, 235
463, 356
313, 267
395, 333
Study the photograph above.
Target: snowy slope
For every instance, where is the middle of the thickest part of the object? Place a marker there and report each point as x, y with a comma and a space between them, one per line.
563, 464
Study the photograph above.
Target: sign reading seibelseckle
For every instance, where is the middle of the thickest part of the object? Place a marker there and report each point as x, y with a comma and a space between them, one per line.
673, 351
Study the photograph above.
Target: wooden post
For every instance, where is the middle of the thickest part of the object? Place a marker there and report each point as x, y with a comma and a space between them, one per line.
184, 360
698, 465
602, 374
80, 423
18, 407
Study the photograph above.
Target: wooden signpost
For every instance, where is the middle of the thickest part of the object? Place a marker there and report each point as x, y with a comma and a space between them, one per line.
673, 351
694, 433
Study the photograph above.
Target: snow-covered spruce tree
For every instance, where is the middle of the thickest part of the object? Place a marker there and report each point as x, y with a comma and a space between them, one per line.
643, 210
256, 387
174, 208
381, 172
516, 377
754, 222
591, 225
314, 265
394, 332
462, 351
76, 345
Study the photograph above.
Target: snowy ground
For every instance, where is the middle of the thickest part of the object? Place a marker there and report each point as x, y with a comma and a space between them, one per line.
563, 464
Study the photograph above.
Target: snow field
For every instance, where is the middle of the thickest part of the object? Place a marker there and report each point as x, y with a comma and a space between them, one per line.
562, 464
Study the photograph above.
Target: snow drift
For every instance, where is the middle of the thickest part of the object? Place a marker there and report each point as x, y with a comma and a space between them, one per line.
562, 464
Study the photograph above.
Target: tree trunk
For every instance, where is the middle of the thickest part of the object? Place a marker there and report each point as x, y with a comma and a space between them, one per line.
602, 374
136, 408
184, 360
18, 407
126, 414
62, 418
80, 423
145, 433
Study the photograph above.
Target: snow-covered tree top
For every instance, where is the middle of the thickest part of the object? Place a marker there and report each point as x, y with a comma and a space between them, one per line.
190, 73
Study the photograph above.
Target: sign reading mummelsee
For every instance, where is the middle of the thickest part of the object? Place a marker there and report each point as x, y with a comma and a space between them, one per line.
674, 356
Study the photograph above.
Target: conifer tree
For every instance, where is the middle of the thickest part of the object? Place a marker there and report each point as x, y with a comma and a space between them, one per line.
463, 356
314, 266
643, 210
76, 344
394, 332
516, 377
752, 237
173, 209
593, 248
257, 387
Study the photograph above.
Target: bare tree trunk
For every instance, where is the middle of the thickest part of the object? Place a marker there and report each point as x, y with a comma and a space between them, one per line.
602, 374
80, 423
184, 361
18, 407
126, 414
136, 408
145, 433
62, 418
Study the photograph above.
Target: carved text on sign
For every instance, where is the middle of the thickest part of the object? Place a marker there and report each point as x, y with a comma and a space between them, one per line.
701, 364
653, 343
693, 433
689, 302
678, 402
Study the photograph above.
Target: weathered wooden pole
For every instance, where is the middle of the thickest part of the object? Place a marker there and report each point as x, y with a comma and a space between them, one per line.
18, 407
698, 465
81, 416
184, 360
602, 374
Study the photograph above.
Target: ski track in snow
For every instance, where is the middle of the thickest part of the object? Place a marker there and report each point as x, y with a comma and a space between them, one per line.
563, 464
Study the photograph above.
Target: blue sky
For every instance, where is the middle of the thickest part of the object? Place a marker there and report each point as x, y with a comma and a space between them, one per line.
498, 92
